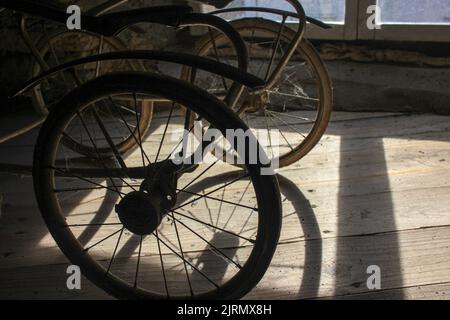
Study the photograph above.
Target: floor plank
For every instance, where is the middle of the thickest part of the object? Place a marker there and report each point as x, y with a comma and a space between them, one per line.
374, 191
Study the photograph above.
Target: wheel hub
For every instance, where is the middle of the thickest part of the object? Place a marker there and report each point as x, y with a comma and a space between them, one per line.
140, 212
255, 103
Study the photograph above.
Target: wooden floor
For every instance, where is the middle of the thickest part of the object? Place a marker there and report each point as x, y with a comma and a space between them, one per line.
376, 191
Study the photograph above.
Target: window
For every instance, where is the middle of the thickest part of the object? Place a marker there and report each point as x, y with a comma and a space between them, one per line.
332, 11
409, 20
414, 12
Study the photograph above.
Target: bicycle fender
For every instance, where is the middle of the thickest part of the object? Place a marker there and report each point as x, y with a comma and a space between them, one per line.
190, 60
318, 23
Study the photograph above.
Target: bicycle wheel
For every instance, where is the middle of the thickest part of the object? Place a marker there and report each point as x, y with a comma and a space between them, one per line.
296, 110
142, 227
61, 47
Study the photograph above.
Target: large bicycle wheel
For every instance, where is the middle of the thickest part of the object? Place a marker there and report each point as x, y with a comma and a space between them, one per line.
61, 47
289, 117
143, 227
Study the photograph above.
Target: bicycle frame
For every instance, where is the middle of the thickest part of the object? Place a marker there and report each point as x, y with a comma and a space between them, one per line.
300, 14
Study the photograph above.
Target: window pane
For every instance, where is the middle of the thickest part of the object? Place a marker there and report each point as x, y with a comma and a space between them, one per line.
414, 11
326, 10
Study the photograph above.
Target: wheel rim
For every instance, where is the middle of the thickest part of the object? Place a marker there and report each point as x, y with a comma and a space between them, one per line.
231, 242
296, 109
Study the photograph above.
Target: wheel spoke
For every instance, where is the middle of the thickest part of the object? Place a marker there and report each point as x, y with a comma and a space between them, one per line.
67, 173
275, 47
138, 126
282, 134
93, 225
115, 252
138, 142
101, 241
234, 209
138, 263
214, 227
217, 199
198, 177
293, 96
211, 192
96, 150
216, 52
209, 243
165, 131
190, 264
182, 255
161, 260
290, 126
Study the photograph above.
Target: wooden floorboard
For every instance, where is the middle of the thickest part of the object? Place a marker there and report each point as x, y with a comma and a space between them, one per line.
375, 191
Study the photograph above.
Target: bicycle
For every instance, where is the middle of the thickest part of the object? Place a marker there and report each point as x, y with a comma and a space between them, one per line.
144, 200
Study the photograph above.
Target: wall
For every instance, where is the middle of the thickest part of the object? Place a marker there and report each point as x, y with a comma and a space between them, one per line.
358, 86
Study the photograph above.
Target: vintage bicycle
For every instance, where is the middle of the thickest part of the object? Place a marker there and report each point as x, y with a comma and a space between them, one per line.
148, 230
121, 245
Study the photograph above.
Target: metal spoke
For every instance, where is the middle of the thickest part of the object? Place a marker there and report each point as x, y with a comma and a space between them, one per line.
96, 150
216, 52
87, 180
182, 255
293, 96
209, 243
214, 227
162, 263
78, 189
139, 143
138, 121
268, 134
100, 51
165, 131
215, 190
199, 176
275, 47
234, 209
108, 138
93, 225
190, 264
282, 134
138, 264
290, 126
115, 252
103, 240
217, 199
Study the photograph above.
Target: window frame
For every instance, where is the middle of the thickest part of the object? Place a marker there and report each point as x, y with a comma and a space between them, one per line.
346, 31
398, 31
355, 27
